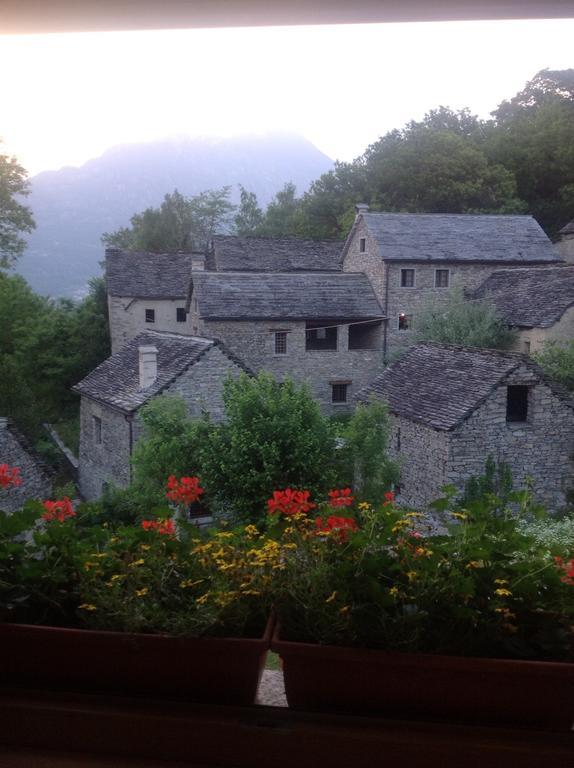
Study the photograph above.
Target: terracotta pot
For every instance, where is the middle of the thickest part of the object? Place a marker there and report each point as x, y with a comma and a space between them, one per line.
427, 687
221, 670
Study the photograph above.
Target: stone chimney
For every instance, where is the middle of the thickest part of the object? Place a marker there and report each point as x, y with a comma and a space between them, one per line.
148, 366
197, 262
361, 208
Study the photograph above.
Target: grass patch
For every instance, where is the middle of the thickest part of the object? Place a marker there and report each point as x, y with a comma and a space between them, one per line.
273, 661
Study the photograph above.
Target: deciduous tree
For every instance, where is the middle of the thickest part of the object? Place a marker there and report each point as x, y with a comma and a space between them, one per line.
15, 218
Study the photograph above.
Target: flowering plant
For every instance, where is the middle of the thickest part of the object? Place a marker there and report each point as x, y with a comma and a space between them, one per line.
379, 578
9, 476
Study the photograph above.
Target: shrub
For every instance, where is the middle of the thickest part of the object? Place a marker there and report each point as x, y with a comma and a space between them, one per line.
557, 361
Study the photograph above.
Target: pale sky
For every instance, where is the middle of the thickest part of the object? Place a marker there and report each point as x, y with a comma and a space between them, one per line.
66, 98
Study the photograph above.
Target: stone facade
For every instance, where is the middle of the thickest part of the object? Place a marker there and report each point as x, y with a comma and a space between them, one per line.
128, 318
36, 481
106, 447
533, 339
254, 343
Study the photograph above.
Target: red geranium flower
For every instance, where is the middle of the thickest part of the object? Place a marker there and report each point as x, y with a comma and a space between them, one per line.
186, 490
341, 498
289, 502
567, 568
389, 498
58, 510
341, 526
163, 526
9, 476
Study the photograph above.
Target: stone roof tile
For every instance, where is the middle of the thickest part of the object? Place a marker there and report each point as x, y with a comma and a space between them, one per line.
147, 275
232, 253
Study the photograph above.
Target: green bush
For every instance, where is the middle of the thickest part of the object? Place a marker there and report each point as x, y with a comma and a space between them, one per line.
557, 361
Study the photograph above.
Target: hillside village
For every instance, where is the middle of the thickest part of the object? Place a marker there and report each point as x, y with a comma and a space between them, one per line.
340, 317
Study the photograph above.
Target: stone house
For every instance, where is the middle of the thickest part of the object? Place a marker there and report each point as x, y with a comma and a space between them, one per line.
413, 258
112, 394
453, 407
35, 475
565, 242
322, 328
538, 303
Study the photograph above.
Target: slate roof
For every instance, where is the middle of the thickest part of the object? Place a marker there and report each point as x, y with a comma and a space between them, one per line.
275, 254
115, 382
458, 237
36, 475
441, 385
568, 229
285, 296
147, 275
530, 297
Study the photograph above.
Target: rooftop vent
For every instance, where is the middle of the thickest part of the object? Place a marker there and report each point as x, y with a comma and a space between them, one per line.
148, 366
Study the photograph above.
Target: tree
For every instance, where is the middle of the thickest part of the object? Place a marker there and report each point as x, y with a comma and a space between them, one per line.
274, 437
468, 323
249, 217
557, 361
179, 224
283, 214
15, 218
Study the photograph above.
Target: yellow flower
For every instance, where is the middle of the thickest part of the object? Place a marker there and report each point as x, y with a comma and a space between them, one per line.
145, 547
503, 592
500, 581
135, 563
203, 599
251, 592
411, 575
414, 514
364, 505
394, 591
142, 592
459, 515
345, 609
88, 607
189, 583
88, 566
98, 554
331, 597
224, 535
475, 564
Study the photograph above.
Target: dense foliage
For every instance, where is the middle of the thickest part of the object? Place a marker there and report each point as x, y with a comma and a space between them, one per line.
456, 320
15, 218
557, 361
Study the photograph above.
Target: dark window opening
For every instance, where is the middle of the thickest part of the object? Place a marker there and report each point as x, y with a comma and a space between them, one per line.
281, 343
365, 336
150, 315
407, 278
441, 278
405, 322
318, 336
516, 403
97, 430
339, 393
180, 315
362, 244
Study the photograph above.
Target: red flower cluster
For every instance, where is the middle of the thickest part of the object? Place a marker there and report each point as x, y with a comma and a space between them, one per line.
341, 498
9, 476
58, 510
567, 568
186, 490
337, 525
389, 499
165, 527
289, 502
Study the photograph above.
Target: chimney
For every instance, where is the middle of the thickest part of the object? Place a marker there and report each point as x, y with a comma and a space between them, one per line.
361, 208
148, 366
198, 262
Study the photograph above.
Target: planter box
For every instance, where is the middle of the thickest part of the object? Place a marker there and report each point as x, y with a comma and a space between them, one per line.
427, 687
222, 670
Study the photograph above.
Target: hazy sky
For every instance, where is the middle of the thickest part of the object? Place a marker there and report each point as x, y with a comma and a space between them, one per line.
66, 98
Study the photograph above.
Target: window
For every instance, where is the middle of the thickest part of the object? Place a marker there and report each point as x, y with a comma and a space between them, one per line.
407, 278
320, 335
516, 403
180, 315
526, 346
150, 315
405, 322
362, 244
97, 430
281, 342
441, 278
339, 393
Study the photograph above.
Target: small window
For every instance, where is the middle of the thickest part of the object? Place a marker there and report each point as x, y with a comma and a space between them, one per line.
180, 315
362, 244
281, 343
97, 430
441, 278
320, 336
150, 315
405, 322
517, 403
526, 346
339, 393
407, 278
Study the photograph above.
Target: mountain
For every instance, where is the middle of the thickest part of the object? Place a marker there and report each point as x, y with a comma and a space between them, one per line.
73, 207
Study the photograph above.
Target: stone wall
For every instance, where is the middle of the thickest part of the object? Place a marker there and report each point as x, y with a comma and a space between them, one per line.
565, 248
36, 483
534, 339
254, 344
422, 454
127, 318
541, 448
109, 461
